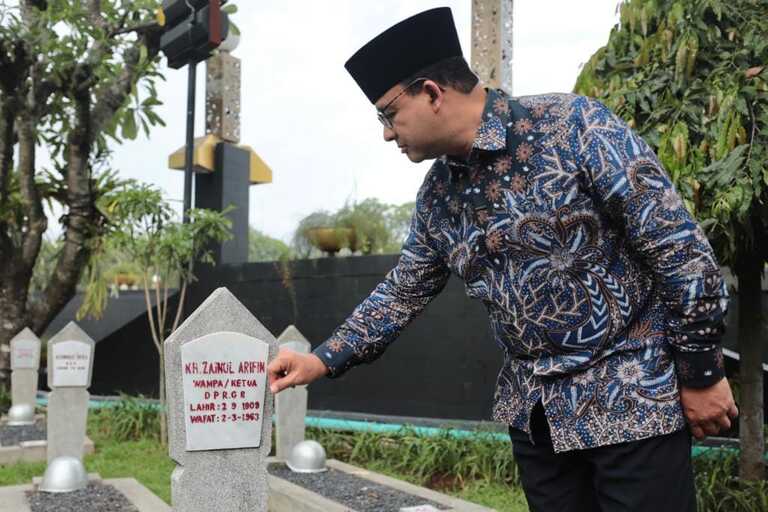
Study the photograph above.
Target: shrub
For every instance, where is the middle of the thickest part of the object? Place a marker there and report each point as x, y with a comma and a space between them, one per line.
445, 460
719, 489
130, 419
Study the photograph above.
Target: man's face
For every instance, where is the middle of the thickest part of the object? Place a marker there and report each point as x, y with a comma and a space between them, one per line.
410, 121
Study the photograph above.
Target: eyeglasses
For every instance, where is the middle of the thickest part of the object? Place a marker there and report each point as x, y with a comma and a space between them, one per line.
387, 117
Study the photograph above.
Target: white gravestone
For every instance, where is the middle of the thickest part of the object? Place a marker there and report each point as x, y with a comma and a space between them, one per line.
224, 382
72, 363
25, 361
219, 407
70, 366
291, 404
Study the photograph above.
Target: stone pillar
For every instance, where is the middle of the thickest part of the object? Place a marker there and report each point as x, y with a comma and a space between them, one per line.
222, 97
291, 404
219, 407
25, 362
229, 184
70, 367
492, 30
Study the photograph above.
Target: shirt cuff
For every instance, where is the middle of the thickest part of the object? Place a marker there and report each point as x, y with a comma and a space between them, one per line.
699, 369
337, 355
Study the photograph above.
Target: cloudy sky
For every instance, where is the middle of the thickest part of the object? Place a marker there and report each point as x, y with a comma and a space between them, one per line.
307, 119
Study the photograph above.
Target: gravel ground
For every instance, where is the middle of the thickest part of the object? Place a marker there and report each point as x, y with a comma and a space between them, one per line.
94, 498
13, 435
354, 492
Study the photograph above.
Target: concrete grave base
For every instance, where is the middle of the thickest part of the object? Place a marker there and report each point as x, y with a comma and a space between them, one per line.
13, 499
33, 451
38, 417
285, 496
93, 478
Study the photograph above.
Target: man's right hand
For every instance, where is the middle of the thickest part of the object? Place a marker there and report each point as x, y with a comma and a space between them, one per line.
291, 368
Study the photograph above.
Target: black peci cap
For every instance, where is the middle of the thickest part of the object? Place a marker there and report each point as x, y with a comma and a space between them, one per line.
403, 49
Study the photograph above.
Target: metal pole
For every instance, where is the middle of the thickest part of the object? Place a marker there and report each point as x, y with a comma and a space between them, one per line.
189, 150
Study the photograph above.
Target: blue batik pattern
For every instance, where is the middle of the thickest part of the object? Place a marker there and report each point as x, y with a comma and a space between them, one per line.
602, 291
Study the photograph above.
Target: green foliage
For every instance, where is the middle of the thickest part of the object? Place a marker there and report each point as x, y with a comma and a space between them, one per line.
302, 247
378, 228
160, 245
691, 77
129, 419
262, 247
718, 488
75, 78
454, 460
368, 219
79, 54
399, 224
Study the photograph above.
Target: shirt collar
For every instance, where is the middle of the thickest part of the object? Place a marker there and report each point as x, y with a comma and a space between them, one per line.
491, 135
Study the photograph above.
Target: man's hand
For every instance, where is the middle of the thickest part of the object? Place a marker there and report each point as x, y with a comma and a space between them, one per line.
709, 410
291, 368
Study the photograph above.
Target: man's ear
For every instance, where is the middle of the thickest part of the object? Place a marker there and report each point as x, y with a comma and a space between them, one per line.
436, 94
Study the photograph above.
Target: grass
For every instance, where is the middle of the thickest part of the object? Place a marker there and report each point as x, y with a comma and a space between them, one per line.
146, 461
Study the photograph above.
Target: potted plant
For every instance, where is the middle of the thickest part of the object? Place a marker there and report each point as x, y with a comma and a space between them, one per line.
368, 221
322, 231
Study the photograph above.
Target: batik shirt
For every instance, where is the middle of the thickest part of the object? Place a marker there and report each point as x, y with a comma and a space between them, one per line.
601, 289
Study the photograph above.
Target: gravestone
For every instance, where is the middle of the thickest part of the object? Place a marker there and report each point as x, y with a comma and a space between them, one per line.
70, 367
290, 404
219, 407
25, 362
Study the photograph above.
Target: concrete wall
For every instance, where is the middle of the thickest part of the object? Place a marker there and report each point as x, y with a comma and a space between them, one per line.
444, 364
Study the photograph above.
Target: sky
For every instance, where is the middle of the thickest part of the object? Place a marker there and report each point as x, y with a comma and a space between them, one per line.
308, 120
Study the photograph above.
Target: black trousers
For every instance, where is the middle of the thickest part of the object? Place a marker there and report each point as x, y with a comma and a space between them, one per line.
653, 475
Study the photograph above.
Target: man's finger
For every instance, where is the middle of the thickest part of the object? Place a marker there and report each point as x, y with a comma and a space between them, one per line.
276, 369
710, 428
697, 432
733, 412
286, 381
723, 422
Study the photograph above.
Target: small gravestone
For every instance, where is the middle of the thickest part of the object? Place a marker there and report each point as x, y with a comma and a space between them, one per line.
70, 366
25, 361
219, 408
290, 404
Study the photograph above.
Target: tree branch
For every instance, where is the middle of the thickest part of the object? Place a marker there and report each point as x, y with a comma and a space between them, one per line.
150, 314
6, 165
111, 97
80, 223
180, 306
35, 221
139, 29
95, 17
7, 113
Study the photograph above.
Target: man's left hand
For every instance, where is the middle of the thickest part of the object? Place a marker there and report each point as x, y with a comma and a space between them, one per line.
709, 410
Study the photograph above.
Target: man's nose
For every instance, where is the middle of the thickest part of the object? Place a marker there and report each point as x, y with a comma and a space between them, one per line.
389, 134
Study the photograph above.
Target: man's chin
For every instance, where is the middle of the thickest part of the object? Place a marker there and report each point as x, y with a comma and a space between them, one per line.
415, 157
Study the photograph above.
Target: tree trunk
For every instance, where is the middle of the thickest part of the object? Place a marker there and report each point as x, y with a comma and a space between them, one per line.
751, 340
12, 322
163, 414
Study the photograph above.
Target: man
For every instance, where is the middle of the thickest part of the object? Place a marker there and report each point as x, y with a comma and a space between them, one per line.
601, 289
